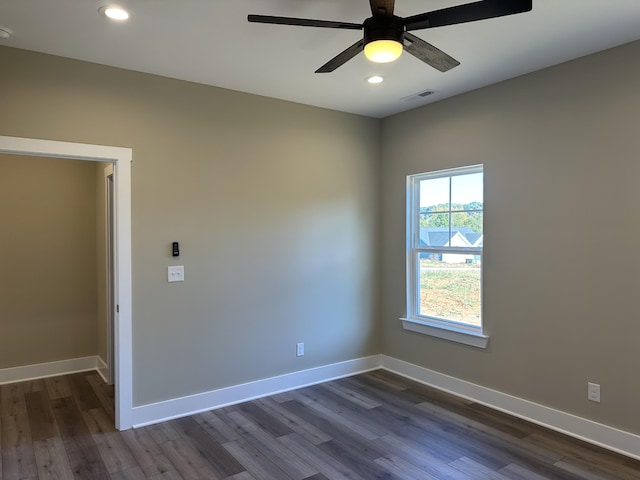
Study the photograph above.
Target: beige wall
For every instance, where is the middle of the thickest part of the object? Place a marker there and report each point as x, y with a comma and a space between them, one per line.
274, 205
561, 154
48, 244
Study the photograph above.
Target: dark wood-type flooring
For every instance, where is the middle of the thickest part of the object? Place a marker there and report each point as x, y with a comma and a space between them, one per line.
370, 426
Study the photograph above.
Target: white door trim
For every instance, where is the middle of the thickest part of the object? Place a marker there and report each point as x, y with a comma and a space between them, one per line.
111, 304
121, 157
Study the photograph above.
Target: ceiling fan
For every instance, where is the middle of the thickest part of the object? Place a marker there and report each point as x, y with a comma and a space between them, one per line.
386, 35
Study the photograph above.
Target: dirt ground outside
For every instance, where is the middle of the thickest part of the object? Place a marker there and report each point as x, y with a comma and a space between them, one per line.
450, 291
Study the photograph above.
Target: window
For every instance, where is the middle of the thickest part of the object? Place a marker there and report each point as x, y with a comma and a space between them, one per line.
444, 259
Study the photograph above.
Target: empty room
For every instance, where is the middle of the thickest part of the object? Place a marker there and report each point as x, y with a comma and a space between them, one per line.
246, 239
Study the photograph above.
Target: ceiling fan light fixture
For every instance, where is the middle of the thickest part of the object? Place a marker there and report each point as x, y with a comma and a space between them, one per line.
383, 51
386, 35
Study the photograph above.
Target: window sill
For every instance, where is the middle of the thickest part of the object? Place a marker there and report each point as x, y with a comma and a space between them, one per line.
459, 335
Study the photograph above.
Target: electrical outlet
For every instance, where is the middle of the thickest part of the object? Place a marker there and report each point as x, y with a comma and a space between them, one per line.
593, 392
299, 349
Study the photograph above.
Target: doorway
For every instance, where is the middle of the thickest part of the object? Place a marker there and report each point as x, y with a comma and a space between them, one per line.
121, 250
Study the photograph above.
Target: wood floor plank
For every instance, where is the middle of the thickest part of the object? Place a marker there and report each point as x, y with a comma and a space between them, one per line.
266, 443
355, 397
317, 476
41, 421
402, 415
84, 458
134, 473
388, 380
318, 459
284, 397
173, 475
207, 447
506, 423
187, 461
242, 476
259, 466
583, 471
167, 476
403, 469
82, 392
511, 449
268, 423
216, 427
487, 432
476, 471
420, 456
149, 456
403, 398
417, 431
113, 450
18, 458
442, 432
51, 459
614, 464
490, 448
328, 410
516, 472
57, 387
351, 455
104, 392
162, 432
335, 430
352, 415
295, 423
33, 385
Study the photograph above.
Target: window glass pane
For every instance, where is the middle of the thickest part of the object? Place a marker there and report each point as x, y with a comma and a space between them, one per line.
440, 219
434, 194
450, 287
468, 224
467, 192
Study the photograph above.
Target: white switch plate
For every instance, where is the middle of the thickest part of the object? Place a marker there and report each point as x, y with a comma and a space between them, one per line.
299, 349
175, 274
593, 392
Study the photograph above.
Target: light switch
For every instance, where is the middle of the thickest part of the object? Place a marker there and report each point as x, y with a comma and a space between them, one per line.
175, 274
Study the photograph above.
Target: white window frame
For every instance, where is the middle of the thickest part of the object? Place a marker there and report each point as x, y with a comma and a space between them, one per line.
434, 326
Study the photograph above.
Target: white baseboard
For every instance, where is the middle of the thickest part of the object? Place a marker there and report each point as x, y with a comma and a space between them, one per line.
596, 433
50, 369
103, 368
181, 407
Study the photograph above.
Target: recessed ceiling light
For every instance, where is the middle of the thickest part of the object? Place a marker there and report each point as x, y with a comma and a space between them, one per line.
114, 13
375, 79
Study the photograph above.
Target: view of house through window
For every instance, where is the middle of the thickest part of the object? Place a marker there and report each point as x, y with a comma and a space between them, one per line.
446, 238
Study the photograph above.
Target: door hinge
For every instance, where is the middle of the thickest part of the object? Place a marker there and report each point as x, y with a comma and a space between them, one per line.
118, 308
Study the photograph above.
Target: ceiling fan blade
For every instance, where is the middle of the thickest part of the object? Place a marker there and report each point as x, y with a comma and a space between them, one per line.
428, 53
303, 22
382, 7
469, 12
342, 57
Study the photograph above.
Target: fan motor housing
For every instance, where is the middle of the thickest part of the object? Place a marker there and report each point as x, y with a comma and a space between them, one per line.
383, 27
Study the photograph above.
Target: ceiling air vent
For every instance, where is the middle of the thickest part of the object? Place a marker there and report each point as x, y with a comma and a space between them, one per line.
419, 95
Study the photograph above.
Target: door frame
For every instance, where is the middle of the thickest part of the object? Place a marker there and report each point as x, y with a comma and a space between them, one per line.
121, 158
109, 230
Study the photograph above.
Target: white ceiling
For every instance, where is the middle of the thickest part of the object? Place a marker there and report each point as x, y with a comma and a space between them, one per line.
211, 42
